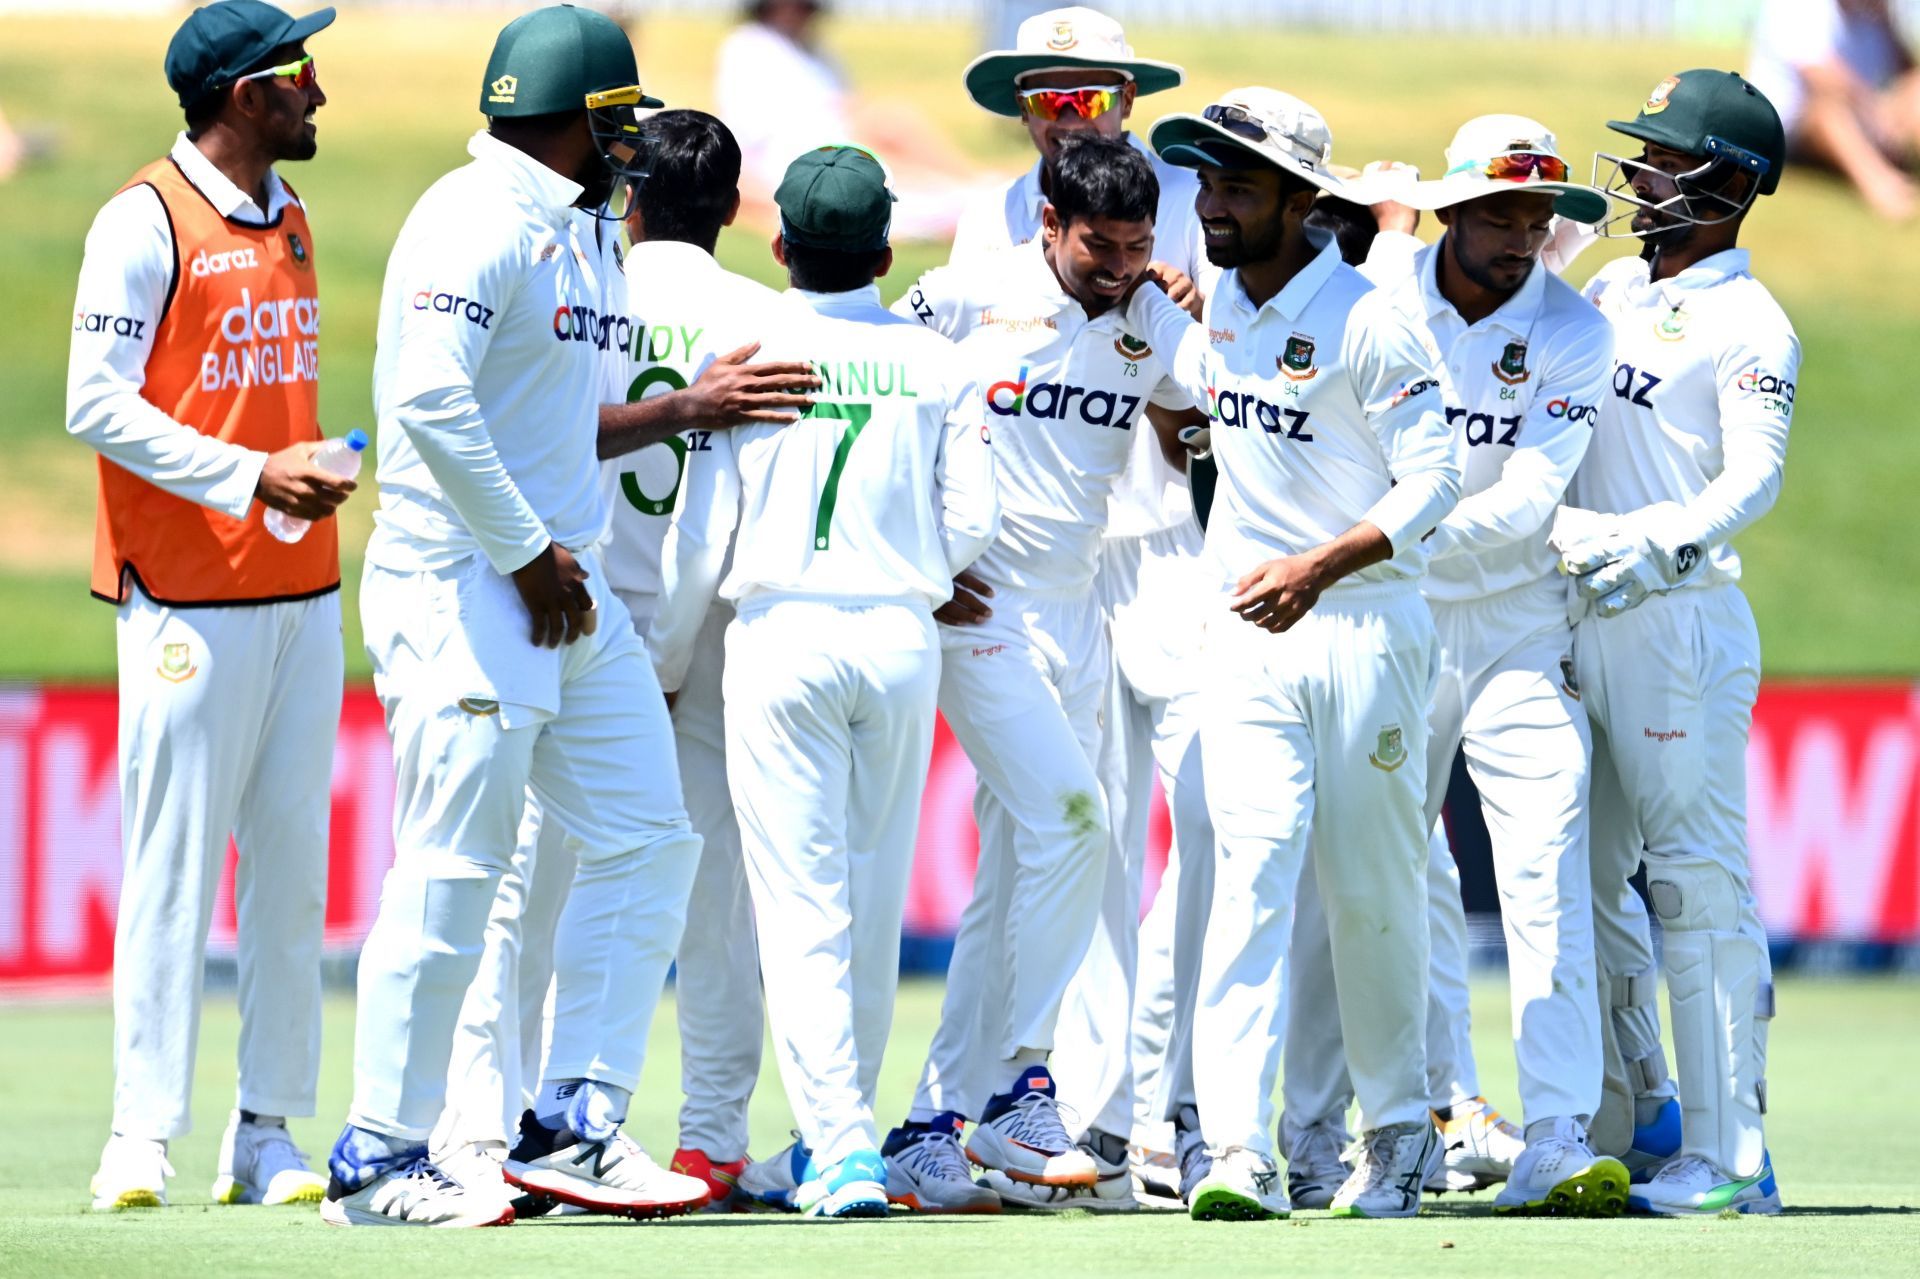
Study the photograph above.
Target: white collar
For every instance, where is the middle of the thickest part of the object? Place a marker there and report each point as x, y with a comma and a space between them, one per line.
852, 302
525, 174
1292, 300
228, 200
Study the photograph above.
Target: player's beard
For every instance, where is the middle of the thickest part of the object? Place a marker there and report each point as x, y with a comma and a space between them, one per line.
297, 140
1483, 275
1240, 248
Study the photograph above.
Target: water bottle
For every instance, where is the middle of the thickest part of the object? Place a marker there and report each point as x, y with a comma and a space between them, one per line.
339, 457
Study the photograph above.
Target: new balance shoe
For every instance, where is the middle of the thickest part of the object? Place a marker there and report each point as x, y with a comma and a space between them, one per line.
1388, 1167
1654, 1143
1240, 1185
384, 1181
1315, 1171
1190, 1148
479, 1167
613, 1176
928, 1172
1478, 1148
771, 1183
1021, 1135
1690, 1186
259, 1164
1558, 1175
854, 1187
1111, 1191
133, 1174
722, 1179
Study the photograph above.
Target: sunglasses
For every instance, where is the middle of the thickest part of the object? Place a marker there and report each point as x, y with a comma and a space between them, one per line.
1087, 101
1517, 166
301, 72
1243, 123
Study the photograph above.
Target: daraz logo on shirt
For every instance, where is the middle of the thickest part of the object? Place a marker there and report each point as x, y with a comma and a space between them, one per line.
1055, 402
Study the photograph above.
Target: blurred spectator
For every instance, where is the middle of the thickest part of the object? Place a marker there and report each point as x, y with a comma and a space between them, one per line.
11, 150
1845, 86
781, 95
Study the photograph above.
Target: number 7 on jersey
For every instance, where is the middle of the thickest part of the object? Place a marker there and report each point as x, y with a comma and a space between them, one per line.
856, 416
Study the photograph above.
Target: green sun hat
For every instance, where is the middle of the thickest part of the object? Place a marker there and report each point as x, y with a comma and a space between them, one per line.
550, 60
1057, 40
1705, 112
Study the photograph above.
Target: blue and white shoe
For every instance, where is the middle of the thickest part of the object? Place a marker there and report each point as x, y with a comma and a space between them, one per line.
1021, 1135
1190, 1148
1654, 1143
772, 1183
383, 1181
854, 1187
1690, 1186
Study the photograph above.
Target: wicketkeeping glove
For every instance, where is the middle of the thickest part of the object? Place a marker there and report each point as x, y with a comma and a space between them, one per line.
1641, 554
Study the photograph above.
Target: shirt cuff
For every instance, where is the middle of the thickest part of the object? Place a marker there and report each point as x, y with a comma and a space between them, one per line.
234, 495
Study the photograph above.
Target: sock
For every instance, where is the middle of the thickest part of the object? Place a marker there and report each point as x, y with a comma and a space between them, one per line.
550, 1105
591, 1109
903, 1136
263, 1121
1110, 1147
920, 1116
360, 1155
1027, 1057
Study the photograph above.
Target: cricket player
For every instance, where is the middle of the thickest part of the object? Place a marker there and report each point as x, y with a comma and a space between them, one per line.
1071, 70
193, 374
500, 653
1027, 669
680, 366
1667, 656
1526, 362
847, 530
1336, 461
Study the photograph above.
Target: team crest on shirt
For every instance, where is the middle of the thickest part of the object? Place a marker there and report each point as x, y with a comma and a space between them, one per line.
176, 663
1672, 327
1511, 367
1129, 347
1390, 751
1296, 362
1657, 100
298, 248
1062, 38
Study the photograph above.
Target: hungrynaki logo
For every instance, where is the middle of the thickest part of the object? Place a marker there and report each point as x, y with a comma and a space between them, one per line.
1056, 402
205, 264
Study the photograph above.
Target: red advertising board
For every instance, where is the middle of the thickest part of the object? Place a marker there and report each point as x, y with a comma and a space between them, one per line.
1833, 796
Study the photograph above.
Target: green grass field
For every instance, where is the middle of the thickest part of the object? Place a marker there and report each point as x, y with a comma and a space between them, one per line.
1828, 572
1842, 1135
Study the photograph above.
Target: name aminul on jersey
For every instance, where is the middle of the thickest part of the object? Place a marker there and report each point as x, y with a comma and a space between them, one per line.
851, 378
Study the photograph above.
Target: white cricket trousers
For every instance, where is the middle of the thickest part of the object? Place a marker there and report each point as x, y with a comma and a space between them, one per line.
478, 715
1315, 740
830, 710
717, 974
1023, 693
227, 723
1118, 1010
1670, 687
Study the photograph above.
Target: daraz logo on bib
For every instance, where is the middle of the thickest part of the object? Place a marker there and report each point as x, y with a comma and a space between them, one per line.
1057, 401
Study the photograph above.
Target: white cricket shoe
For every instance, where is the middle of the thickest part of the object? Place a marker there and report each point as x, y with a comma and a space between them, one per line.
928, 1172
772, 1183
412, 1194
1388, 1165
1156, 1173
1477, 1148
1111, 1191
133, 1174
1558, 1175
1315, 1171
613, 1176
1241, 1185
1021, 1135
259, 1164
1690, 1186
480, 1168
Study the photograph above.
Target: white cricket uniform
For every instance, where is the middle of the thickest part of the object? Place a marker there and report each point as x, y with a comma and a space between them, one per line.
851, 524
1702, 398
1522, 386
488, 418
686, 311
251, 726
1023, 691
1326, 414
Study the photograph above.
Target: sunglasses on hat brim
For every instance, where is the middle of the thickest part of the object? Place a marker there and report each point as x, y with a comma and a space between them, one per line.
1516, 166
1088, 101
1244, 124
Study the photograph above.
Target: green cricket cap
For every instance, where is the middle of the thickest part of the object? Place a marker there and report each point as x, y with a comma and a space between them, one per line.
1704, 112
220, 42
836, 198
550, 60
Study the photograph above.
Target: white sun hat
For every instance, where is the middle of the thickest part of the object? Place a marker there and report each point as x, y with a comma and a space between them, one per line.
1266, 124
1492, 154
1068, 39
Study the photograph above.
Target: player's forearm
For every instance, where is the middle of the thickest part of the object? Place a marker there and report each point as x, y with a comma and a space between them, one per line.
626, 428
135, 435
1361, 546
452, 440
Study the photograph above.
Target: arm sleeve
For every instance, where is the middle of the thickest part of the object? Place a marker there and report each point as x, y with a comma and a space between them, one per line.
431, 395
935, 300
1756, 408
125, 277
1398, 386
1180, 343
691, 560
1552, 440
969, 497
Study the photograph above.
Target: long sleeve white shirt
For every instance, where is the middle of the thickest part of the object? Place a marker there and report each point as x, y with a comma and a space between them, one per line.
1702, 398
1521, 388
500, 305
126, 281
881, 494
1326, 412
